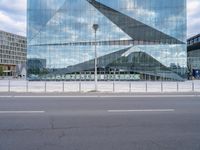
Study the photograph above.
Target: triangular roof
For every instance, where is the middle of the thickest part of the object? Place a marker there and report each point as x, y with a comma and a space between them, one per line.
134, 28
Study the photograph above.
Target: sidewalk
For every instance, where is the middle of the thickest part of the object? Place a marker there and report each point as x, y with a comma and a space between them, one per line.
100, 94
104, 87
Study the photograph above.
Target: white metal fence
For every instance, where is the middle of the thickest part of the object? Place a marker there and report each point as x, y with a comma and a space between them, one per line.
118, 87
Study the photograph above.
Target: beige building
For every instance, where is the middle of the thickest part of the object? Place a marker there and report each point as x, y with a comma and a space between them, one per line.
13, 53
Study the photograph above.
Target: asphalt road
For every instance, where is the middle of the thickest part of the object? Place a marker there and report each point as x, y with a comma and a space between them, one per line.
100, 123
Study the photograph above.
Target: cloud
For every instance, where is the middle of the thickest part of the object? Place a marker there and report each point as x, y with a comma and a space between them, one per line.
9, 24
193, 17
13, 16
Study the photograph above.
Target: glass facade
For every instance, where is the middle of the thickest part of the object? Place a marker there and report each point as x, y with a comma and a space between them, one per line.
136, 39
194, 59
194, 56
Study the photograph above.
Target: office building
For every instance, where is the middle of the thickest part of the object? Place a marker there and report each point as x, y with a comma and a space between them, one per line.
136, 39
13, 53
194, 56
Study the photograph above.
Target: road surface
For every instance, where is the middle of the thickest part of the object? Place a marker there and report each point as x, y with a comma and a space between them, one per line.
100, 123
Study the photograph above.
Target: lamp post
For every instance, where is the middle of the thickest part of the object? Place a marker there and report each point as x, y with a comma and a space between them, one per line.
95, 27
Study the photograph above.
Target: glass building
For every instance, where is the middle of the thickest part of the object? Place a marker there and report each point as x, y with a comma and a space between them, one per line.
193, 48
136, 39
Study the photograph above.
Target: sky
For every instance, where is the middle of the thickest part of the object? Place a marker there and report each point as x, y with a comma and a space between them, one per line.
13, 16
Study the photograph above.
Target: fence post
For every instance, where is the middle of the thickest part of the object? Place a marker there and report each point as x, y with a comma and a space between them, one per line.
177, 87
9, 85
27, 86
130, 87
80, 87
162, 87
193, 87
63, 87
113, 87
45, 86
146, 87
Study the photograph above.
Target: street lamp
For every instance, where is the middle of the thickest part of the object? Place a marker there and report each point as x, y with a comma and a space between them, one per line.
95, 27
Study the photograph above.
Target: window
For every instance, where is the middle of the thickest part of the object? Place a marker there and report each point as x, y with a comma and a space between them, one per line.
196, 40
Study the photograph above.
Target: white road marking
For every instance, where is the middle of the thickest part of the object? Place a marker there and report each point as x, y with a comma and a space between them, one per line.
142, 110
22, 112
6, 96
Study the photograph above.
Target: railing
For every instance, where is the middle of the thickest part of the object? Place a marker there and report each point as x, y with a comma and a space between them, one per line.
116, 87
